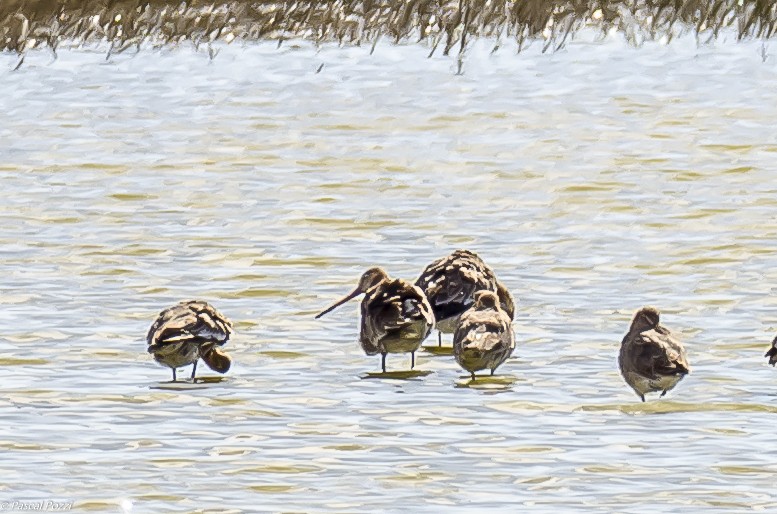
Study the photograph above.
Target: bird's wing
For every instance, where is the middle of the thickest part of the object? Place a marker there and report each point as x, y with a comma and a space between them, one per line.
392, 305
451, 282
189, 321
660, 354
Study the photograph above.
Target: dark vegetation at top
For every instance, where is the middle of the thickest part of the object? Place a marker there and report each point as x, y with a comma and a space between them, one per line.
445, 26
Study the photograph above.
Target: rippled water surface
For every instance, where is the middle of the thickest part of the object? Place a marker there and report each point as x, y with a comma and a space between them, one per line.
594, 181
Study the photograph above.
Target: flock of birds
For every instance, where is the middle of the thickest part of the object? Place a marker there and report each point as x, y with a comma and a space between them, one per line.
457, 294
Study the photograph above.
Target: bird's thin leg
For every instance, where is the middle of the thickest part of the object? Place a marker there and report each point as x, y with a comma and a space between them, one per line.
492, 372
412, 360
473, 374
194, 369
662, 394
174, 379
383, 362
642, 396
439, 338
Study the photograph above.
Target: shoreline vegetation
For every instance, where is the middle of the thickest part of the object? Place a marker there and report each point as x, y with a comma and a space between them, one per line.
446, 27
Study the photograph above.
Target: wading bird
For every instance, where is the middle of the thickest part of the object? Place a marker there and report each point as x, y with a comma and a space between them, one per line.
450, 284
772, 353
395, 315
189, 331
484, 338
651, 359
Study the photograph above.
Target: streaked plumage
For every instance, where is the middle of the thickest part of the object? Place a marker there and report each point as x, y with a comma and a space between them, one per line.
395, 315
650, 358
450, 284
188, 331
484, 338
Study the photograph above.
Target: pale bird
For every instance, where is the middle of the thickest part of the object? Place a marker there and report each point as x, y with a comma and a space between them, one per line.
484, 338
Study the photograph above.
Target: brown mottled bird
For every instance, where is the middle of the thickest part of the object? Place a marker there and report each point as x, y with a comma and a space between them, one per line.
395, 315
650, 358
772, 353
189, 331
484, 338
450, 284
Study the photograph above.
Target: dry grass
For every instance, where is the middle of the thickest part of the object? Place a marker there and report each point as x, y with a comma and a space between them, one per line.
445, 26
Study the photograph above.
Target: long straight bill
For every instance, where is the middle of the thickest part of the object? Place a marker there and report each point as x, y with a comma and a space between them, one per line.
356, 292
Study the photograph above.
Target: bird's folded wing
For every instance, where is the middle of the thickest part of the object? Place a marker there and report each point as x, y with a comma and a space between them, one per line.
660, 354
188, 322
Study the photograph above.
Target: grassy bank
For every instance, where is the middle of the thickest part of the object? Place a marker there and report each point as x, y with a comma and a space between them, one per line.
445, 26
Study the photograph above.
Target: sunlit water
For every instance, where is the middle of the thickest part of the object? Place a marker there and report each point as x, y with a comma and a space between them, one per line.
595, 180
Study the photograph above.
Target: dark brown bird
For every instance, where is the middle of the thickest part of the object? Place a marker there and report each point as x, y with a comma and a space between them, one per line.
450, 284
772, 353
484, 338
189, 331
650, 358
395, 315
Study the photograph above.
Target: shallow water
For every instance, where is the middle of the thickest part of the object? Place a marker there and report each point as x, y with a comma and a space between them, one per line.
594, 181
